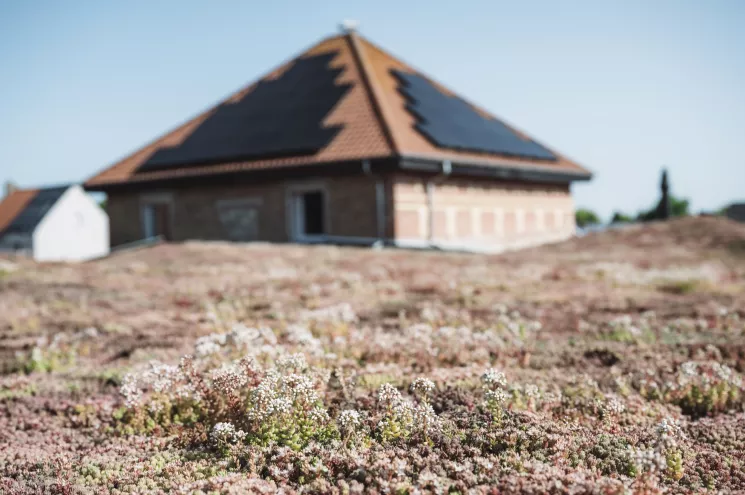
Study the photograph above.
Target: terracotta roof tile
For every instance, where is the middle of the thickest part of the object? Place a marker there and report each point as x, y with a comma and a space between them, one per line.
373, 121
12, 205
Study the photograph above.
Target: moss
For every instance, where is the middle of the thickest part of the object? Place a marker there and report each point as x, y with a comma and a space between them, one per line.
49, 360
374, 381
680, 287
15, 393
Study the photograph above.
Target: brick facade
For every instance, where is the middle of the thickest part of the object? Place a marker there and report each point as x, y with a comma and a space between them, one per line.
468, 213
195, 211
482, 214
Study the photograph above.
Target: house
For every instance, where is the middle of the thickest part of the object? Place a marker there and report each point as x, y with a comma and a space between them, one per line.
344, 144
53, 224
736, 212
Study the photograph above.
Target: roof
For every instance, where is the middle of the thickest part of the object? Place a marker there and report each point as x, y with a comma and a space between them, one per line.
342, 100
23, 209
736, 211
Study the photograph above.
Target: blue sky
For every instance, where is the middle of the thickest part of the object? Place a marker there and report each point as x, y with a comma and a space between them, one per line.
622, 87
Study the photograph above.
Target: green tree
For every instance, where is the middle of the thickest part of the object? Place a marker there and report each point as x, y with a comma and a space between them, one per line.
585, 217
679, 207
619, 217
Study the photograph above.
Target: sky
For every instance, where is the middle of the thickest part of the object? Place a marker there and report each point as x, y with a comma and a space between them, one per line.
622, 87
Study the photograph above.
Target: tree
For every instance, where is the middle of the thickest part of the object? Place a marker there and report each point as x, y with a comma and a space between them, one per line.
585, 217
679, 207
669, 206
619, 217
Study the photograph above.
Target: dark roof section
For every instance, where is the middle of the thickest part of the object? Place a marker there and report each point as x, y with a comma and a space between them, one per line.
280, 117
339, 102
36, 206
736, 211
13, 204
448, 121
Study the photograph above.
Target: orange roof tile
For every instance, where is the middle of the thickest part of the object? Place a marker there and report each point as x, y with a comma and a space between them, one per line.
371, 116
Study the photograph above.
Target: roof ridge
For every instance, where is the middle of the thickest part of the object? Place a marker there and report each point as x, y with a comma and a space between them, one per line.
373, 90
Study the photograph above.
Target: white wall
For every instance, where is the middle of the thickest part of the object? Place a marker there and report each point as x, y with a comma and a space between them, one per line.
75, 229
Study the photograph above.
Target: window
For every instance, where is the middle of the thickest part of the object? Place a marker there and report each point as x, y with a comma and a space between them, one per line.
240, 218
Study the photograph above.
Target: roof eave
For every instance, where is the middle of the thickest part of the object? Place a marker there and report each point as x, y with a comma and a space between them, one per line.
490, 169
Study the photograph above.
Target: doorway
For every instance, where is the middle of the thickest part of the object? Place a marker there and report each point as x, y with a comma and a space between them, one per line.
156, 220
309, 214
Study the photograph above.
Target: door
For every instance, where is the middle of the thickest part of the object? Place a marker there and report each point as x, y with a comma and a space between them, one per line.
157, 220
309, 211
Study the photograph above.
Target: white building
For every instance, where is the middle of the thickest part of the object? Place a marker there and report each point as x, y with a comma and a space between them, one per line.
53, 224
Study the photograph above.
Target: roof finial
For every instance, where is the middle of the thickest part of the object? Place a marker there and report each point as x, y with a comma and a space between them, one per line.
348, 26
10, 188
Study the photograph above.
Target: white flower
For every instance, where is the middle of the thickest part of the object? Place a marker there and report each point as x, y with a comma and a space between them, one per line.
318, 415
228, 379
37, 355
423, 386
292, 362
226, 433
340, 313
648, 460
130, 390
209, 344
689, 369
388, 394
186, 391
349, 420
497, 396
723, 371
428, 314
300, 387
241, 336
532, 391
279, 406
155, 407
425, 419
615, 406
668, 427
493, 379
161, 377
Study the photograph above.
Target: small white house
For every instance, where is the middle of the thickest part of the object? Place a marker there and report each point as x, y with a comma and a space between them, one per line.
53, 224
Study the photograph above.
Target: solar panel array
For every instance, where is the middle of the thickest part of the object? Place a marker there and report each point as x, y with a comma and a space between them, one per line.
279, 117
450, 122
26, 221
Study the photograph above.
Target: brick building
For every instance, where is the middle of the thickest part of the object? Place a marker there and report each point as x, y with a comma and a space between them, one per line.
345, 144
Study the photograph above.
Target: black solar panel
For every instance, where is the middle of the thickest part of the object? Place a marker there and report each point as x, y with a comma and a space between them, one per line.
279, 117
450, 122
26, 221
